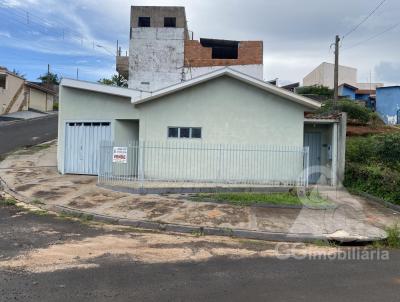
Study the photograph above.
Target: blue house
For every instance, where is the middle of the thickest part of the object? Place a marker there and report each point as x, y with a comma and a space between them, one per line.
347, 91
388, 104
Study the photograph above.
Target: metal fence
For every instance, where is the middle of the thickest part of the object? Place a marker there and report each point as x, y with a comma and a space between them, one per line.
184, 162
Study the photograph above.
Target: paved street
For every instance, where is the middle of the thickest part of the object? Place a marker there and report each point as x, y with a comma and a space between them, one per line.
48, 259
27, 132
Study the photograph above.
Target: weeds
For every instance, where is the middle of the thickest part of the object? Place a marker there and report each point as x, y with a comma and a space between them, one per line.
37, 201
393, 236
8, 202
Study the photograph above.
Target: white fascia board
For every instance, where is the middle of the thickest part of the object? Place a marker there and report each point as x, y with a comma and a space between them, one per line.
239, 76
320, 121
97, 87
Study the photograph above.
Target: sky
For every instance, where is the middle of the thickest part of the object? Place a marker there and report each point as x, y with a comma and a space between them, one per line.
297, 34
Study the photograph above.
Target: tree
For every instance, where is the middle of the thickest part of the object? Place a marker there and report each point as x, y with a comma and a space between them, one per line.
316, 90
50, 78
17, 73
116, 80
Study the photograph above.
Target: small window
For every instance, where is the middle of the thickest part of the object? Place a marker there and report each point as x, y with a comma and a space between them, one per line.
196, 133
144, 22
173, 132
184, 132
169, 22
3, 80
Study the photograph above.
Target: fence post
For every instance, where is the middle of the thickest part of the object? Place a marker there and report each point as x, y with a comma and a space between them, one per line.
307, 164
141, 163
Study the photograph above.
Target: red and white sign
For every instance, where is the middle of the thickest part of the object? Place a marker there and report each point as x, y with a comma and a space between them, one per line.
120, 155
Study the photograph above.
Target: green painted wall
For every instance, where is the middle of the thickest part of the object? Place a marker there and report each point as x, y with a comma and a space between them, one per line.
229, 111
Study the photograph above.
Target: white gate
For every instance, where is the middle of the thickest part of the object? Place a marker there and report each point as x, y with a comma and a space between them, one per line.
82, 142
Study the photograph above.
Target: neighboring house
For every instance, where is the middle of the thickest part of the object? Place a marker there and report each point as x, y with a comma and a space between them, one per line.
291, 87
347, 91
221, 108
39, 97
324, 75
162, 51
12, 96
388, 104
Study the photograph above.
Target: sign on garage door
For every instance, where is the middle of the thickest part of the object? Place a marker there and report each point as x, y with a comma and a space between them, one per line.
82, 143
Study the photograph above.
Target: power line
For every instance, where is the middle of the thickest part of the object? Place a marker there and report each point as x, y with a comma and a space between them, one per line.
374, 36
364, 20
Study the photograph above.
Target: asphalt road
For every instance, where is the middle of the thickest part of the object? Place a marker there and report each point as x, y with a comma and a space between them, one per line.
218, 279
27, 132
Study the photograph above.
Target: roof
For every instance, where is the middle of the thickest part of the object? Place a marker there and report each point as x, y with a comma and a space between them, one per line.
384, 87
348, 86
41, 88
226, 71
365, 91
291, 86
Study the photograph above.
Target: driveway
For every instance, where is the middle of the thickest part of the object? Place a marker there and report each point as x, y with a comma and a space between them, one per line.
43, 258
28, 132
33, 174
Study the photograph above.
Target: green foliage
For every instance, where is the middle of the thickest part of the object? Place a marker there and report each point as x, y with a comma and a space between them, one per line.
248, 199
373, 165
55, 106
393, 237
354, 110
315, 90
51, 78
116, 80
7, 202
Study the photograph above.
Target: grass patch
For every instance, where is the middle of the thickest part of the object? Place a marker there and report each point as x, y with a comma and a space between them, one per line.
37, 201
393, 236
8, 202
248, 199
39, 212
33, 149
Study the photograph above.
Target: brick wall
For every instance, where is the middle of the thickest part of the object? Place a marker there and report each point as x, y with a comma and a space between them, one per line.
250, 52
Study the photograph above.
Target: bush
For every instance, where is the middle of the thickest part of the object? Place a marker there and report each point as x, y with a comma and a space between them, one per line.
55, 106
376, 180
354, 110
315, 90
388, 149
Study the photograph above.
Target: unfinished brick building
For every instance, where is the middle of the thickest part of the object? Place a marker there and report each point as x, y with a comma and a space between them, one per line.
162, 51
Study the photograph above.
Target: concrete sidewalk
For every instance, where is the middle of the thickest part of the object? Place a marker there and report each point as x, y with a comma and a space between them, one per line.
34, 176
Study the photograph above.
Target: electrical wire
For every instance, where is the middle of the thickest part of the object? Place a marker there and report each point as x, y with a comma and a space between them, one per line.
364, 20
373, 37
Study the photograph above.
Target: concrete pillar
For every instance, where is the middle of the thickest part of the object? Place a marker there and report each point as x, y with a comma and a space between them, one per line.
335, 155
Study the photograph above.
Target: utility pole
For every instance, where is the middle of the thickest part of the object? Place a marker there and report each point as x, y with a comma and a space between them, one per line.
336, 73
48, 75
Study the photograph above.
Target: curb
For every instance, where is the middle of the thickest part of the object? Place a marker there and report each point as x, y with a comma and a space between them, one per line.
380, 201
187, 229
205, 230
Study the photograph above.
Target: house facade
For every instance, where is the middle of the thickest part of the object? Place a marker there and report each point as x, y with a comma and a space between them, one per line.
224, 108
12, 92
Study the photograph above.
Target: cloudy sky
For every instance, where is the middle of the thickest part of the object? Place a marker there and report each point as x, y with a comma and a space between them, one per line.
297, 34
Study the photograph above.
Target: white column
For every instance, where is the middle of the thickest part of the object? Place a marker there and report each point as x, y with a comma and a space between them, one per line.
334, 154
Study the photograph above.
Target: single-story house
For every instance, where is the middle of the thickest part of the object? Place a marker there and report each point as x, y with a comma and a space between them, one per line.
39, 97
221, 109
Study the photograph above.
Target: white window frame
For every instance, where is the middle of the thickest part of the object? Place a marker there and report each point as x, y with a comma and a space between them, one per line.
190, 132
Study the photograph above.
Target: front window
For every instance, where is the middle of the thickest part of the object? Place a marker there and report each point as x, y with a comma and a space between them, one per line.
3, 78
144, 22
169, 22
184, 132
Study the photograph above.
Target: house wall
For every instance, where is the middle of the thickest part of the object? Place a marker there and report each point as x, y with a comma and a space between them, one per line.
13, 84
230, 113
324, 75
388, 103
40, 100
256, 71
347, 92
155, 58
250, 115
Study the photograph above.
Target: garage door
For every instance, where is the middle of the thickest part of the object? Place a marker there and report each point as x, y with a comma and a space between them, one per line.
82, 143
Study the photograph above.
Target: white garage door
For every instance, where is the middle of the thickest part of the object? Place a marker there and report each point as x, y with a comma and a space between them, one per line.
82, 141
